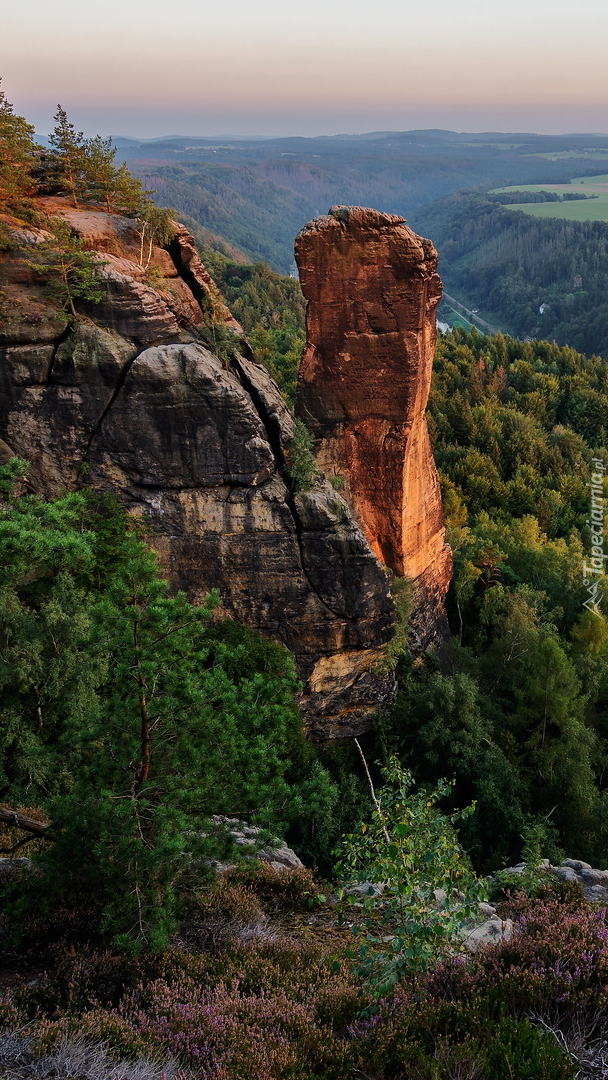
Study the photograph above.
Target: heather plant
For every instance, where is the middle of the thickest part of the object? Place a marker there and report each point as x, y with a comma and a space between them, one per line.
271, 1010
292, 1007
556, 960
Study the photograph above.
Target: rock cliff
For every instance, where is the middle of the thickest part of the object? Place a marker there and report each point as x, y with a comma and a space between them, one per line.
373, 290
133, 398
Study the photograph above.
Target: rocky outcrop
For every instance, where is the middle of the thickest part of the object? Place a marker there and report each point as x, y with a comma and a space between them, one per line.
592, 883
131, 399
275, 851
373, 291
206, 473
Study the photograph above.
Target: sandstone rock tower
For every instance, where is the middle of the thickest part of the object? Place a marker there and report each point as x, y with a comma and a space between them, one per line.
372, 289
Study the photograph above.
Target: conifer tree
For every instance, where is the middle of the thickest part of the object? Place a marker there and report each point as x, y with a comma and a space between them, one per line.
70, 270
128, 717
16, 152
130, 196
69, 157
100, 173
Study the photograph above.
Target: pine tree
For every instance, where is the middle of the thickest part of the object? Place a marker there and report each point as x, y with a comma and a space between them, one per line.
16, 153
100, 173
130, 196
70, 270
127, 718
69, 157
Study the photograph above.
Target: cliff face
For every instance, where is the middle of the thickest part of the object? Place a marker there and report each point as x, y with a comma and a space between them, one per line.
132, 399
373, 291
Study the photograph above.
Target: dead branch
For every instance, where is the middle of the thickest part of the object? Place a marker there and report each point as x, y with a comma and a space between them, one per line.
22, 821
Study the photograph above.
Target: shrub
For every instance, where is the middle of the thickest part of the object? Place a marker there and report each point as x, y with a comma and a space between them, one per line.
301, 464
425, 892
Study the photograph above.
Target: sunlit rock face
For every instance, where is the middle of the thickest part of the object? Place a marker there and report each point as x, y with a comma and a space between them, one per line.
372, 289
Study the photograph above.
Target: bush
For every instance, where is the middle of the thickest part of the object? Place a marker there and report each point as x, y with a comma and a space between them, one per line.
301, 464
425, 892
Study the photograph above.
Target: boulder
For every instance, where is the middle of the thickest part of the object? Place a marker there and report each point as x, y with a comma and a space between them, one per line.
275, 852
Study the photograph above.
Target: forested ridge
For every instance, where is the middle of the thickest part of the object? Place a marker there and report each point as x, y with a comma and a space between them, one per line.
511, 265
258, 194
518, 715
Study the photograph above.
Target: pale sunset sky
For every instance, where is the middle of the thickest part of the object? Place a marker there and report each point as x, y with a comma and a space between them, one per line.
193, 67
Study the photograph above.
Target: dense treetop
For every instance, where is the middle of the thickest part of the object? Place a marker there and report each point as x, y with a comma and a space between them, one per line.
518, 714
271, 310
129, 716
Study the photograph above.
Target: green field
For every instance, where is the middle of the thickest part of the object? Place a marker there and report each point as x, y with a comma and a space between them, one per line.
595, 157
583, 210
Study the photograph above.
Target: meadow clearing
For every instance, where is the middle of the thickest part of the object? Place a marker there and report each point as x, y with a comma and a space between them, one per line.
588, 209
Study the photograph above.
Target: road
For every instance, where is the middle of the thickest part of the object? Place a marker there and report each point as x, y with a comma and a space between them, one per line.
471, 314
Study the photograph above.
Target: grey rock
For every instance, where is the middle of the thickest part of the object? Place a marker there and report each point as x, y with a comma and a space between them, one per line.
15, 330
594, 877
593, 883
134, 309
29, 364
269, 400
13, 868
597, 894
199, 427
366, 889
195, 445
565, 873
491, 931
277, 854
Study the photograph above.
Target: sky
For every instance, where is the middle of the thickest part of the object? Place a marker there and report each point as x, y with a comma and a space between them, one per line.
148, 68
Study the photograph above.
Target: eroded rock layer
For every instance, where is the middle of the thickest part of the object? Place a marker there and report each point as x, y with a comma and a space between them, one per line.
130, 398
372, 289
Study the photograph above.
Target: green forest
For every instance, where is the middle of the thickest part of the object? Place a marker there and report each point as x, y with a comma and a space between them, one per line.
511, 265
271, 310
515, 428
517, 712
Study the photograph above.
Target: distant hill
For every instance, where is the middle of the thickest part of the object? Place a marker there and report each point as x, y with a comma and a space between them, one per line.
258, 193
535, 277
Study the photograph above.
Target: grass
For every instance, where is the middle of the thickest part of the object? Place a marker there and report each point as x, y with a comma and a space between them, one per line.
570, 211
583, 210
455, 320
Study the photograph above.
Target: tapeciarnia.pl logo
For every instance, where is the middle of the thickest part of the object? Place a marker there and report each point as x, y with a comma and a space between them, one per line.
594, 569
